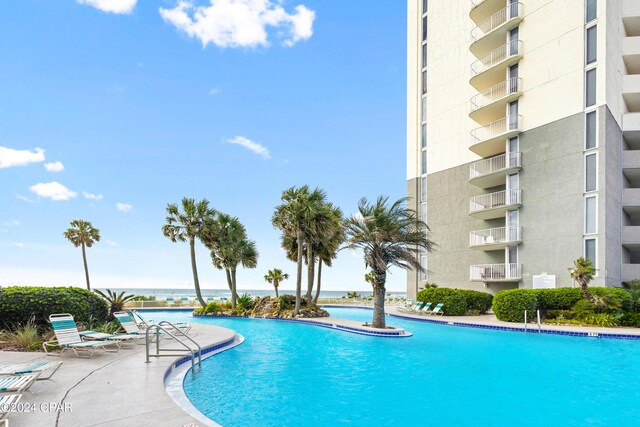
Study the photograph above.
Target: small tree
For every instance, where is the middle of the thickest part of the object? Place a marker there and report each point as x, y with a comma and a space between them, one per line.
116, 301
582, 272
82, 233
274, 277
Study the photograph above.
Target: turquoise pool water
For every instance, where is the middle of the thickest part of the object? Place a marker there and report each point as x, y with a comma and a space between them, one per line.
288, 374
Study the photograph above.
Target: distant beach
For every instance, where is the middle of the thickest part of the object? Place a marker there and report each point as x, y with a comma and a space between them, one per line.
161, 294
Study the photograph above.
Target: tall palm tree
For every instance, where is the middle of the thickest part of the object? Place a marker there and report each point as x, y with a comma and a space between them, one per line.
582, 272
389, 235
299, 207
82, 233
327, 248
187, 226
274, 277
226, 238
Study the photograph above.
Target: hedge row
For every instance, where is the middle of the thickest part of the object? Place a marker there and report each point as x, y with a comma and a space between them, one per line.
19, 304
510, 305
456, 302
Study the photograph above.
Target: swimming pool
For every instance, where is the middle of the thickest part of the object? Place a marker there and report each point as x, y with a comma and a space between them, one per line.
289, 374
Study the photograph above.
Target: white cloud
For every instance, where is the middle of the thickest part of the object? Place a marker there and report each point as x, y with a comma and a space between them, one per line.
214, 91
123, 207
92, 196
250, 145
18, 244
10, 157
24, 199
240, 23
12, 223
111, 6
54, 166
111, 243
53, 190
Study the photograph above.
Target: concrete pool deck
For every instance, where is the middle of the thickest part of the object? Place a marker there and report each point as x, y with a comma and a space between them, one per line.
110, 389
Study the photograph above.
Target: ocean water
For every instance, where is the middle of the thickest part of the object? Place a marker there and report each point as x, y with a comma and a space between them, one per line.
289, 374
161, 294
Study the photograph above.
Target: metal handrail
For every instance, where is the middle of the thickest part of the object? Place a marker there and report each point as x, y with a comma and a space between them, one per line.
513, 10
158, 328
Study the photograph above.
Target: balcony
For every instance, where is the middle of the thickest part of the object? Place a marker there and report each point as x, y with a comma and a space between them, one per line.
631, 92
494, 205
631, 236
631, 54
631, 200
489, 140
490, 104
491, 172
492, 30
483, 9
630, 272
495, 238
491, 68
495, 273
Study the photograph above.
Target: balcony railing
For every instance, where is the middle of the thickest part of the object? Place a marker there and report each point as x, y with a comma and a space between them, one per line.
514, 47
495, 200
493, 236
494, 164
497, 128
496, 92
495, 272
514, 10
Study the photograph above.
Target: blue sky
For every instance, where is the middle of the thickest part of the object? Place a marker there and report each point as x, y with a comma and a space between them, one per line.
116, 108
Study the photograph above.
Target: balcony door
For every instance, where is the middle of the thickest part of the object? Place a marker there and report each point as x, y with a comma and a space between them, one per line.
513, 39
512, 116
512, 221
513, 78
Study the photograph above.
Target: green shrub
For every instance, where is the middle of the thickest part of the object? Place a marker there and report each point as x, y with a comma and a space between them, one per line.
245, 302
612, 294
18, 304
477, 302
607, 320
560, 314
510, 305
557, 299
285, 302
630, 319
583, 309
454, 302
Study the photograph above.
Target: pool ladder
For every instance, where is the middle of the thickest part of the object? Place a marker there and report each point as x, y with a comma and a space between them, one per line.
537, 321
169, 329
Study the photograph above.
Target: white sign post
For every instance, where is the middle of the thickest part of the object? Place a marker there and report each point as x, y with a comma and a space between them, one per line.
544, 281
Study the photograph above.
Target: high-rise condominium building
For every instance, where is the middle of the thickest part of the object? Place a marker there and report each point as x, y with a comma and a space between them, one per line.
523, 140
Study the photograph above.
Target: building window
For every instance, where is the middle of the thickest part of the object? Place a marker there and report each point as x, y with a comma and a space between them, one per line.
590, 215
424, 55
425, 5
590, 96
592, 10
424, 81
424, 109
423, 263
424, 28
423, 162
590, 130
592, 44
423, 212
423, 189
590, 172
423, 136
590, 250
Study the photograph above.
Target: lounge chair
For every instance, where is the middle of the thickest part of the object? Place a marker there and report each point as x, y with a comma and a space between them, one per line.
411, 309
128, 323
16, 383
36, 368
6, 402
68, 337
144, 324
437, 310
424, 309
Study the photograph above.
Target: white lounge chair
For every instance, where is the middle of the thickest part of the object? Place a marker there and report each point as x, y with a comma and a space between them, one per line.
68, 337
6, 403
16, 383
424, 309
144, 324
36, 368
410, 309
437, 310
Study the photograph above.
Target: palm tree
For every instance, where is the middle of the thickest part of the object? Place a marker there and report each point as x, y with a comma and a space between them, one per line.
274, 277
582, 272
327, 248
186, 226
116, 301
293, 217
389, 235
82, 233
226, 238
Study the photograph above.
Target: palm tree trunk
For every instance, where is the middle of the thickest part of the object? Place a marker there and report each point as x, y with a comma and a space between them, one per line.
86, 269
275, 286
229, 282
315, 300
234, 295
585, 290
299, 273
311, 263
378, 300
196, 282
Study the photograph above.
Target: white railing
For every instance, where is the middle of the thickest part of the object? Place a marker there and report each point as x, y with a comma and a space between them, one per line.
494, 164
514, 10
494, 272
495, 200
497, 128
514, 47
496, 92
491, 236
